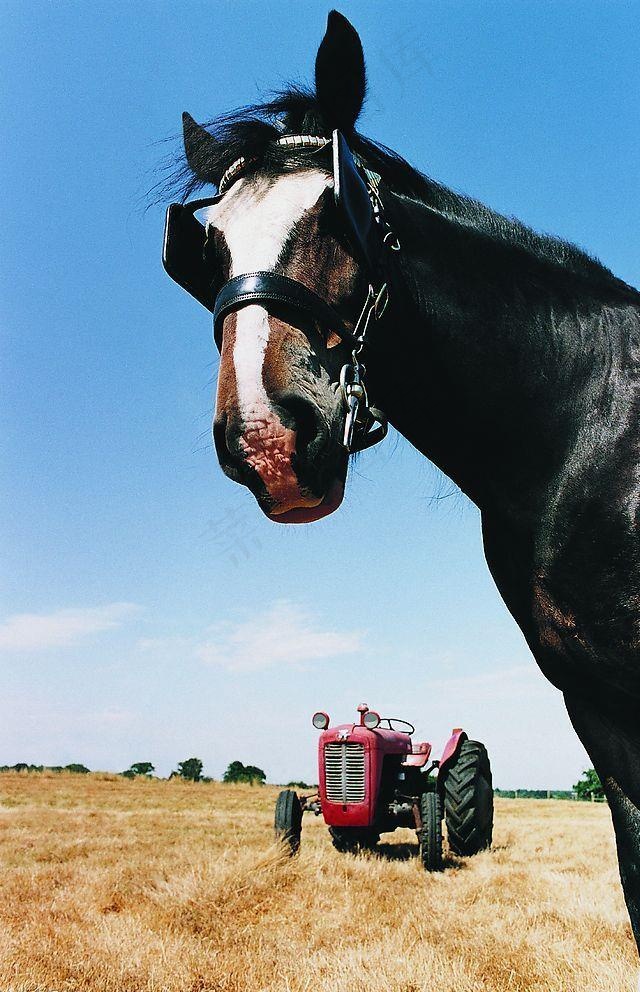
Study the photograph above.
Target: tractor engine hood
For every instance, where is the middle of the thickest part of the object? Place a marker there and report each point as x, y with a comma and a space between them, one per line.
350, 765
390, 741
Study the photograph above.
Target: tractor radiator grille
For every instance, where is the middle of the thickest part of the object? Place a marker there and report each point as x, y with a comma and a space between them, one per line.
344, 772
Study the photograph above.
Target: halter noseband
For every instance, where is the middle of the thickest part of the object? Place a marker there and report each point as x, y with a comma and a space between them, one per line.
265, 287
359, 202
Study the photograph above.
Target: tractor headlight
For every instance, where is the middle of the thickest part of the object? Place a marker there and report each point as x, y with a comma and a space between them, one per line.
320, 720
371, 720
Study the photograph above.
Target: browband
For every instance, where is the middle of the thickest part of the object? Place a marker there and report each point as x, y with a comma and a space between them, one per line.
269, 287
291, 141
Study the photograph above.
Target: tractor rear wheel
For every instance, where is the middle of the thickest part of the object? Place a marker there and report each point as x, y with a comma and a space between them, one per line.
288, 820
468, 800
430, 834
352, 840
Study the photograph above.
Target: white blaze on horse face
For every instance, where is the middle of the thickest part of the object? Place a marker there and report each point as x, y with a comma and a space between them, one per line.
256, 218
266, 443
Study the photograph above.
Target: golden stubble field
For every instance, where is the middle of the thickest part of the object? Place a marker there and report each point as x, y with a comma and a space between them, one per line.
133, 886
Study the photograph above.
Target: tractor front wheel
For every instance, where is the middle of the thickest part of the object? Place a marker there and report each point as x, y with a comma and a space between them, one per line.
430, 834
352, 840
468, 800
288, 820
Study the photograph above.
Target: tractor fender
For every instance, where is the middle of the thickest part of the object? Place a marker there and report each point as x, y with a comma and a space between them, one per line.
449, 754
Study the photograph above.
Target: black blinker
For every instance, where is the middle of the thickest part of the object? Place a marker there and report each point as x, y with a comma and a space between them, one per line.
354, 204
183, 251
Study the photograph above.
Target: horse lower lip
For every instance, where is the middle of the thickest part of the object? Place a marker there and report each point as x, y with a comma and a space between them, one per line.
308, 514
309, 504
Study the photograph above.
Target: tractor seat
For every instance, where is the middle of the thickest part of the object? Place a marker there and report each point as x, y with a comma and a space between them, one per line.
419, 755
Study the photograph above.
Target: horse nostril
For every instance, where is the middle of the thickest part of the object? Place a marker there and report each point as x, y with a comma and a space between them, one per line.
306, 419
225, 457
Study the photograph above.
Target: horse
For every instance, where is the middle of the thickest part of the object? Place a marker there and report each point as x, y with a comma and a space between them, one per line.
349, 289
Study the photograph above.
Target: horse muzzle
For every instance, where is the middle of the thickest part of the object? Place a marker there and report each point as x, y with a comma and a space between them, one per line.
288, 460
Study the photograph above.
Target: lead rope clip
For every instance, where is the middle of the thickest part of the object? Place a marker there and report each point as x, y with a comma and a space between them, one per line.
371, 423
353, 395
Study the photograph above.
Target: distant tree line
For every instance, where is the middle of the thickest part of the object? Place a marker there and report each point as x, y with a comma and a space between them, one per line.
534, 793
22, 766
588, 788
237, 772
140, 769
190, 769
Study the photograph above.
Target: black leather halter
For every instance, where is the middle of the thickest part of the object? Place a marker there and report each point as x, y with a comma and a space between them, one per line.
184, 258
269, 287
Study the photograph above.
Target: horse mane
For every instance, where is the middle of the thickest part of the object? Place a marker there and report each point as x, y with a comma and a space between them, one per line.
251, 131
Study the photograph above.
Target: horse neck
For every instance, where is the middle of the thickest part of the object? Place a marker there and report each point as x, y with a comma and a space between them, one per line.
493, 355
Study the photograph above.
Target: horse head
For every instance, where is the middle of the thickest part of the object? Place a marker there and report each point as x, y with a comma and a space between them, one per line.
286, 258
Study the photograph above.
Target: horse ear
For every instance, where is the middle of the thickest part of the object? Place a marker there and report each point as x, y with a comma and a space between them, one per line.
200, 147
340, 74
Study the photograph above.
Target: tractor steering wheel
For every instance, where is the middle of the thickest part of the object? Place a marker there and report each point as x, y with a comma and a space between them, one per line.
392, 719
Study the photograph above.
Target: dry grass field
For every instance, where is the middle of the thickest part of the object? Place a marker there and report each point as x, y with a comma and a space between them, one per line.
132, 886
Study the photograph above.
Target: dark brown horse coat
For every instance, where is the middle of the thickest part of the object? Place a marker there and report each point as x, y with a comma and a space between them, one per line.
510, 359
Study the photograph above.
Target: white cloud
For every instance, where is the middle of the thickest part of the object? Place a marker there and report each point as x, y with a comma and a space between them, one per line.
64, 628
284, 634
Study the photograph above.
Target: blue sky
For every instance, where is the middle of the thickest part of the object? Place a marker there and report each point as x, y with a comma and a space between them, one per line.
149, 611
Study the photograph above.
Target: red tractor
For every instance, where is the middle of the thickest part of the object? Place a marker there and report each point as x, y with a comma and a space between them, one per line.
373, 779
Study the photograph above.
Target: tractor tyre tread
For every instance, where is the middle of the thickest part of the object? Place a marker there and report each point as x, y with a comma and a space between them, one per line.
430, 834
288, 820
468, 800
